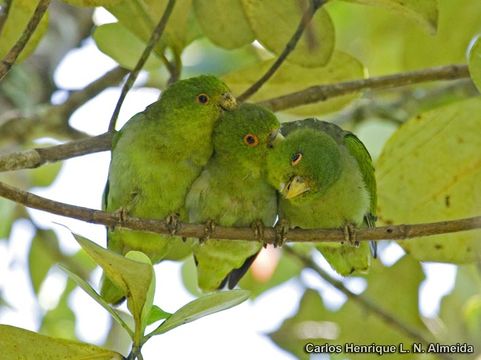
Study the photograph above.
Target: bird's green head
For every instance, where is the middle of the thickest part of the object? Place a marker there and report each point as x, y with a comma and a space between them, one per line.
204, 96
245, 134
306, 162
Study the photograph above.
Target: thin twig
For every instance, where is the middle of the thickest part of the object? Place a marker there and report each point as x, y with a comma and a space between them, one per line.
290, 46
363, 301
324, 92
15, 51
33, 158
393, 232
4, 10
80, 97
154, 38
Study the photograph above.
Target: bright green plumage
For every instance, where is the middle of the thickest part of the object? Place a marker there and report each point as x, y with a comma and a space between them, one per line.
156, 157
233, 191
326, 177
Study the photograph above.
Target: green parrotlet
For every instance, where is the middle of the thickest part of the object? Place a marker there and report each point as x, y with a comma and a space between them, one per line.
156, 157
326, 180
233, 191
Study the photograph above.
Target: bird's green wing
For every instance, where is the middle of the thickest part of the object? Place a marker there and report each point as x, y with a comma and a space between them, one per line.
364, 161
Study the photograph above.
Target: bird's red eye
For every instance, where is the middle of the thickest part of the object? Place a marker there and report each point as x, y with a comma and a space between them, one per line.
296, 158
202, 99
251, 140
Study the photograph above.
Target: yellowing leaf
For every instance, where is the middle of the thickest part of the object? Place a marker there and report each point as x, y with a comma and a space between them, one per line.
430, 170
474, 61
134, 278
19, 14
449, 45
124, 47
18, 343
290, 78
424, 12
224, 22
275, 21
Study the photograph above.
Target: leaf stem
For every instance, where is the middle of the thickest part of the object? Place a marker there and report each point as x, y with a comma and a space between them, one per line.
9, 59
154, 38
314, 5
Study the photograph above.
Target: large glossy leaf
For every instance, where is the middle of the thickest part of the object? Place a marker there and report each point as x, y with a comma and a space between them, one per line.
124, 47
474, 61
353, 323
203, 306
423, 11
290, 78
19, 14
18, 343
224, 22
7, 214
275, 21
430, 170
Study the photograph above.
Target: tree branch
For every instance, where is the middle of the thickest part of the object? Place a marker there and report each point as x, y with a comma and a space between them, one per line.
324, 92
363, 301
15, 51
154, 38
36, 157
393, 232
314, 5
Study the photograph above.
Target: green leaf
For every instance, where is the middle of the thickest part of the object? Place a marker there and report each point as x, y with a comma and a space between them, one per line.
18, 343
474, 61
42, 256
460, 310
93, 294
92, 3
290, 78
60, 321
353, 323
19, 14
275, 21
286, 269
124, 47
425, 12
140, 17
203, 306
45, 175
231, 30
7, 214
430, 170
156, 314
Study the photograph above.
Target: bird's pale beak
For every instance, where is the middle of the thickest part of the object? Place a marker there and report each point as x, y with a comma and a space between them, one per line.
275, 137
228, 102
295, 187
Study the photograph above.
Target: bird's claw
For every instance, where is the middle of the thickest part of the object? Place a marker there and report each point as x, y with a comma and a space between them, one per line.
173, 223
121, 214
208, 230
258, 228
350, 235
281, 229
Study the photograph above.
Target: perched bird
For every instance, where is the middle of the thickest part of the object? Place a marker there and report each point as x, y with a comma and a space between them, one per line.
156, 157
326, 180
233, 191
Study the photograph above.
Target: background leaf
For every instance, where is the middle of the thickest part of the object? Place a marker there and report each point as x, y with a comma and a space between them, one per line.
275, 21
429, 171
474, 61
